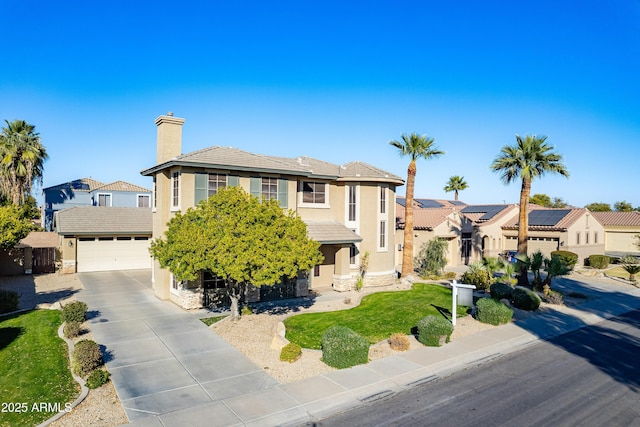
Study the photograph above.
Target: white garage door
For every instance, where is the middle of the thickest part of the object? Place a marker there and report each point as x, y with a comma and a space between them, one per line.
113, 253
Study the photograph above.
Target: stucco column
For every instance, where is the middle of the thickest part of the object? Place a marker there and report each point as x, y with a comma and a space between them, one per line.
342, 280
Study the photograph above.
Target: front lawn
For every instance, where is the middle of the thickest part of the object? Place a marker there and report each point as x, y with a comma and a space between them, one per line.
618, 272
377, 317
35, 382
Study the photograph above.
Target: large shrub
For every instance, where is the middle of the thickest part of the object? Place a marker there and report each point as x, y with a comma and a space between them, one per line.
500, 291
493, 312
432, 257
9, 301
86, 357
525, 299
342, 347
599, 261
431, 328
74, 312
568, 259
71, 329
477, 275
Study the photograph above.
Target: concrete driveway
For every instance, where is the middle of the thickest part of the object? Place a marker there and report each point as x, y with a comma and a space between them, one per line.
162, 359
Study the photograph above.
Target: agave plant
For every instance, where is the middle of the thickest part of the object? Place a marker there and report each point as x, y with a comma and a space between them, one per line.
554, 267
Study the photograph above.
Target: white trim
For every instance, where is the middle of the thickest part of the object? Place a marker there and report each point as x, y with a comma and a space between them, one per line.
300, 192
177, 175
171, 288
143, 195
104, 194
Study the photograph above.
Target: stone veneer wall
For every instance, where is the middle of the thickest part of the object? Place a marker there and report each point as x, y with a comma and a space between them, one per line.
349, 283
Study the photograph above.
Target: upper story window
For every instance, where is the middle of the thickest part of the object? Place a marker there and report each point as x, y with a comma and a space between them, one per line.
382, 235
216, 182
270, 188
104, 199
208, 184
144, 201
351, 202
175, 189
383, 199
314, 192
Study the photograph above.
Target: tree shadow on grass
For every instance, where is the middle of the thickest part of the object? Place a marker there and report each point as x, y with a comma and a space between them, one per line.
283, 306
9, 334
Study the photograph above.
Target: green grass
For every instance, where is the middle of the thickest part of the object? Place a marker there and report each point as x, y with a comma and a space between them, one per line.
211, 320
619, 272
34, 368
377, 317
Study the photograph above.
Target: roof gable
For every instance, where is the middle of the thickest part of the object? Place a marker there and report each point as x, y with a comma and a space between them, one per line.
122, 186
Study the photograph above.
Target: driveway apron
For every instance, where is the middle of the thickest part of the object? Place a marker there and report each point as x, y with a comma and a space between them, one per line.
162, 359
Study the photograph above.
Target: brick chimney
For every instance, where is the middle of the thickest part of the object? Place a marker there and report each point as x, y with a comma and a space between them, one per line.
169, 137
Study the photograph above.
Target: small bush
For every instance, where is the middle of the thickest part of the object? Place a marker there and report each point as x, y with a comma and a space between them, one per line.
290, 352
246, 310
71, 329
9, 301
86, 357
97, 378
567, 258
450, 275
525, 299
399, 342
343, 347
599, 261
500, 291
493, 312
477, 275
431, 328
554, 297
74, 312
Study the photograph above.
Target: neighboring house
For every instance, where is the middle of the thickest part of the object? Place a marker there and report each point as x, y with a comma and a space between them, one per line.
89, 192
35, 254
94, 238
431, 218
621, 231
482, 233
349, 209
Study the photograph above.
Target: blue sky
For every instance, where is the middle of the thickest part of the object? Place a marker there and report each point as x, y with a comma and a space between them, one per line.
336, 81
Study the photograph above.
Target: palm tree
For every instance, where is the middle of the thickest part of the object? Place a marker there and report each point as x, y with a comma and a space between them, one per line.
531, 157
415, 147
455, 184
21, 160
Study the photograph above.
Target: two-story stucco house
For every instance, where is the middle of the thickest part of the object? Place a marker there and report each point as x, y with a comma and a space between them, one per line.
349, 209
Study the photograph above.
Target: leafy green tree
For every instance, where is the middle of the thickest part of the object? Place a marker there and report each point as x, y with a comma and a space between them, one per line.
622, 206
14, 226
599, 207
432, 257
456, 183
238, 238
541, 200
530, 158
558, 202
415, 147
22, 157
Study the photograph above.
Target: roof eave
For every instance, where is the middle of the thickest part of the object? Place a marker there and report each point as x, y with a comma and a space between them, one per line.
172, 163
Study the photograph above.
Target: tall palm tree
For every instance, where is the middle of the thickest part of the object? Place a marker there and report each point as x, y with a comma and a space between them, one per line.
416, 147
455, 184
531, 157
22, 156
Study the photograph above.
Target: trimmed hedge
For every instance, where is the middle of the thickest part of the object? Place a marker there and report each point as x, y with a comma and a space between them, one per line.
479, 277
599, 261
568, 259
525, 299
493, 312
500, 291
71, 329
74, 312
431, 328
9, 301
86, 357
342, 347
97, 378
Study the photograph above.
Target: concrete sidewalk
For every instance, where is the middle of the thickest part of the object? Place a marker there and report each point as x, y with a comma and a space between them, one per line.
315, 398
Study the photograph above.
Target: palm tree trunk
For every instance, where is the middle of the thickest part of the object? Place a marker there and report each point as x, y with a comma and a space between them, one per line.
456, 195
523, 229
407, 254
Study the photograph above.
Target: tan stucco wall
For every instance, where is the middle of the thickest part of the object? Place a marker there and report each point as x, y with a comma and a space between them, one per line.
622, 239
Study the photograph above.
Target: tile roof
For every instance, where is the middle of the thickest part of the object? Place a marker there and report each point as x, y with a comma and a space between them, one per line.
123, 186
475, 217
328, 232
82, 184
39, 239
90, 220
623, 219
444, 203
563, 223
229, 158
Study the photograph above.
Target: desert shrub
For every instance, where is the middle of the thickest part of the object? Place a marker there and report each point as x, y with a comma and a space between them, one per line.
500, 291
97, 378
525, 299
431, 328
399, 342
343, 347
567, 258
599, 261
477, 275
9, 301
450, 275
554, 297
290, 352
86, 357
246, 310
71, 329
74, 312
432, 257
493, 312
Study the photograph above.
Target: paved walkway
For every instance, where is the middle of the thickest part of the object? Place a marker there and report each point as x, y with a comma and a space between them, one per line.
269, 403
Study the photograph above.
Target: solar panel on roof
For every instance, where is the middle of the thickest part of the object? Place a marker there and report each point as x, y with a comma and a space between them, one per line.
429, 203
547, 217
457, 202
488, 211
401, 202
